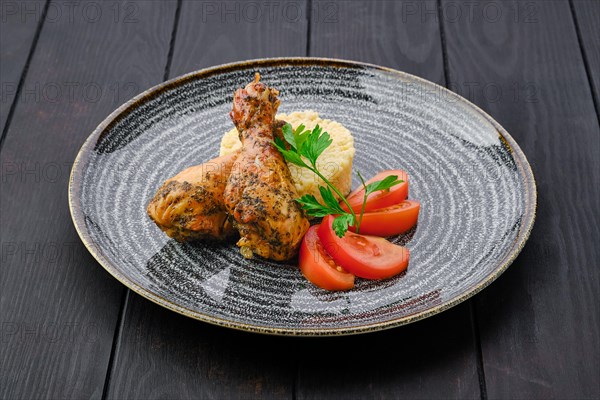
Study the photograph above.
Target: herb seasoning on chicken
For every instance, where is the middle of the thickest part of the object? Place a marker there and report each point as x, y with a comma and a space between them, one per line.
190, 205
260, 194
250, 191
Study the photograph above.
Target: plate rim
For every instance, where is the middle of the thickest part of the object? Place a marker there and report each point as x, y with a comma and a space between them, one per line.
77, 216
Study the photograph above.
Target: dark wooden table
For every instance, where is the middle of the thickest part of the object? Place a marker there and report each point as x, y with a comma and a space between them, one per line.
69, 330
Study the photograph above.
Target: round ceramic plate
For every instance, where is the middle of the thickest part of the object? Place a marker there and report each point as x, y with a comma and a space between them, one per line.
476, 189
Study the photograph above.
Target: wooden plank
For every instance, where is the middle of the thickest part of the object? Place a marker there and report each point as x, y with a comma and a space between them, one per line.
587, 15
397, 34
19, 22
430, 359
161, 354
539, 321
435, 358
59, 307
213, 33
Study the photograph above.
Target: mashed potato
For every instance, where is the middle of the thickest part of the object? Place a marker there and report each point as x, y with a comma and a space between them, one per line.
335, 162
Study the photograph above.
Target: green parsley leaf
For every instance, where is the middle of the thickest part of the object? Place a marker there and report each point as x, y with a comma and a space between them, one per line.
312, 206
299, 129
279, 143
340, 224
315, 144
383, 184
300, 136
309, 145
290, 155
288, 134
330, 200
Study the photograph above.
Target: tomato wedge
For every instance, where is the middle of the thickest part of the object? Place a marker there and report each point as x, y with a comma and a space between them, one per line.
382, 198
390, 221
318, 267
369, 257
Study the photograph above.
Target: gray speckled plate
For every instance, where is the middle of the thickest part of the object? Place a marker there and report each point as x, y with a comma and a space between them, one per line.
475, 186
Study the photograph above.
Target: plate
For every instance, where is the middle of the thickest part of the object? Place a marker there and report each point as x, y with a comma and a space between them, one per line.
476, 188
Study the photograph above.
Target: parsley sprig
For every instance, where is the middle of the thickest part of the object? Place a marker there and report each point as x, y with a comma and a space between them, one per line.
303, 148
384, 184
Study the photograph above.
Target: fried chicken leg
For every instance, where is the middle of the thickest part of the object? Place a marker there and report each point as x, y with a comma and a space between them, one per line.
260, 194
190, 205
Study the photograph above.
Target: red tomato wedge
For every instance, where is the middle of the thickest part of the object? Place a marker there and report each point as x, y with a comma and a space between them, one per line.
368, 257
390, 221
382, 198
318, 267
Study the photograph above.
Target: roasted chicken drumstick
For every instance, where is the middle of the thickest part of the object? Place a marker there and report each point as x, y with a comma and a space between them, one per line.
250, 191
260, 194
190, 205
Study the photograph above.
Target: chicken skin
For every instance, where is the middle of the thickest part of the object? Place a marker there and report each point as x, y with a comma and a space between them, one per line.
190, 206
250, 192
260, 194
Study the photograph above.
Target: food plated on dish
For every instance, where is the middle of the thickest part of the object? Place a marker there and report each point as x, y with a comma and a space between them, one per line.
249, 190
473, 183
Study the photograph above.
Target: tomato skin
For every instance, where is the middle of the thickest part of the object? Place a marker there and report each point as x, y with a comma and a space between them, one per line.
368, 257
390, 221
382, 198
315, 264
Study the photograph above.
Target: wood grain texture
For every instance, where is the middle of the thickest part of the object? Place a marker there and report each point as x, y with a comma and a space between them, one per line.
213, 33
435, 358
430, 359
19, 21
539, 321
396, 34
161, 354
59, 307
587, 15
